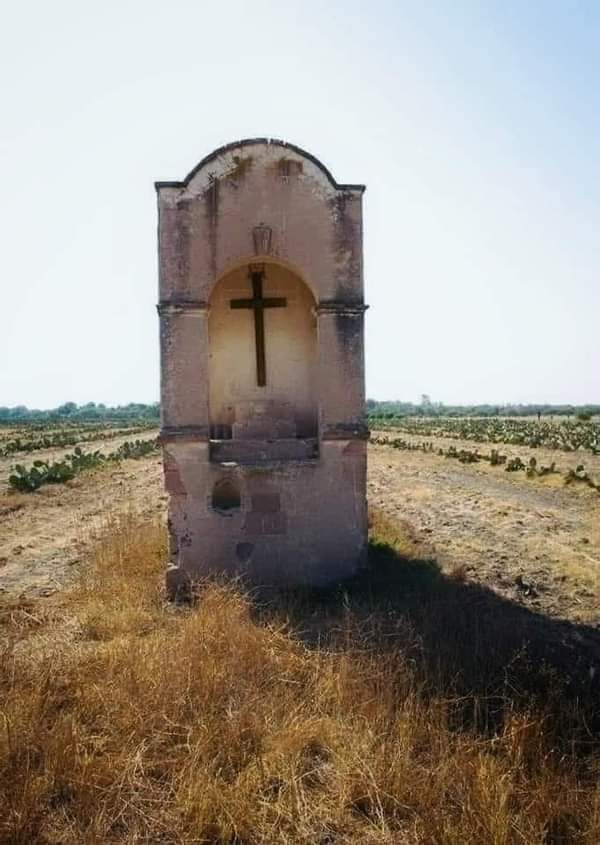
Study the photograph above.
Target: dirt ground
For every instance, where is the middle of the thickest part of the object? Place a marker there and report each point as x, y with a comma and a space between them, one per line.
45, 536
534, 541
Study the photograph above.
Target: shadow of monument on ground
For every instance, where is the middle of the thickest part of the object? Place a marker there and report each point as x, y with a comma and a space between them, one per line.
462, 638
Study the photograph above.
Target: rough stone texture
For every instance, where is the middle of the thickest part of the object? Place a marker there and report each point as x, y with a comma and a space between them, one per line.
292, 452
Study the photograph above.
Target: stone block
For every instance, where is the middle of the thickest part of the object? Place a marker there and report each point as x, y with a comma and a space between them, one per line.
266, 502
265, 523
263, 451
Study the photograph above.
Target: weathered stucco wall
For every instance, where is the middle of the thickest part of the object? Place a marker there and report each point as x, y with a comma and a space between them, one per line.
206, 223
285, 503
298, 521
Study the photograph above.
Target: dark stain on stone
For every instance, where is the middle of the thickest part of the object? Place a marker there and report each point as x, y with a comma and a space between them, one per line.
211, 205
211, 197
173, 544
182, 241
242, 164
287, 168
243, 551
166, 338
349, 331
346, 247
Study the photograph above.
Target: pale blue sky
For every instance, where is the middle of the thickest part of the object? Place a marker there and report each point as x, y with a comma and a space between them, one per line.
475, 125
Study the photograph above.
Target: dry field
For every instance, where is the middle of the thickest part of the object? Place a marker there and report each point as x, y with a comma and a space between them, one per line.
449, 694
45, 535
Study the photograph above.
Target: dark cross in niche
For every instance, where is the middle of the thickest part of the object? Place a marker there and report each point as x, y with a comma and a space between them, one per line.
258, 303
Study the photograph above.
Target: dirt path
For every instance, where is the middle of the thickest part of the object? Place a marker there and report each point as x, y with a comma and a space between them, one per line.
498, 527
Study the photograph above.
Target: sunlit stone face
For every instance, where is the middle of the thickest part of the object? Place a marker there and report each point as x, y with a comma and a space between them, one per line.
262, 367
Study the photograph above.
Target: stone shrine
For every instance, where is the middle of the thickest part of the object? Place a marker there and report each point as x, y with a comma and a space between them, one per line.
262, 368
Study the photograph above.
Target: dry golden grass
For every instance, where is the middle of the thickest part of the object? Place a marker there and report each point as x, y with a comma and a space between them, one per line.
361, 715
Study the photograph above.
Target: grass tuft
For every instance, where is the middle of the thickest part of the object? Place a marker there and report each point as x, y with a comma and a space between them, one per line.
400, 707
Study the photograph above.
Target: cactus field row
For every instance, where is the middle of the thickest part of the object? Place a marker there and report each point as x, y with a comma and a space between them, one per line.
61, 438
467, 456
565, 435
29, 479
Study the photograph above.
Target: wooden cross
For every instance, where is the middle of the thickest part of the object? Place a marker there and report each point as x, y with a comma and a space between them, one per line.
258, 303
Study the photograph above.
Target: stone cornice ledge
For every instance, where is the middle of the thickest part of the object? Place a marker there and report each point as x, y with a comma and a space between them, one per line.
187, 433
176, 306
345, 431
336, 306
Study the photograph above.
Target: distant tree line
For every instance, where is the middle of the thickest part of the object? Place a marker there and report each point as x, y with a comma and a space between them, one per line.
427, 408
70, 411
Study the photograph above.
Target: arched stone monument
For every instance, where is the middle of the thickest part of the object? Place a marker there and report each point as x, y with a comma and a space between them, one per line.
262, 367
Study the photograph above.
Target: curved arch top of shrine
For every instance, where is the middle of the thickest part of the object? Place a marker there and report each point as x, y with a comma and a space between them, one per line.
260, 199
250, 142
262, 367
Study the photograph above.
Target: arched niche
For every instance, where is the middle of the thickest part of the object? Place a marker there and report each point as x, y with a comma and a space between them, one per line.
278, 400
